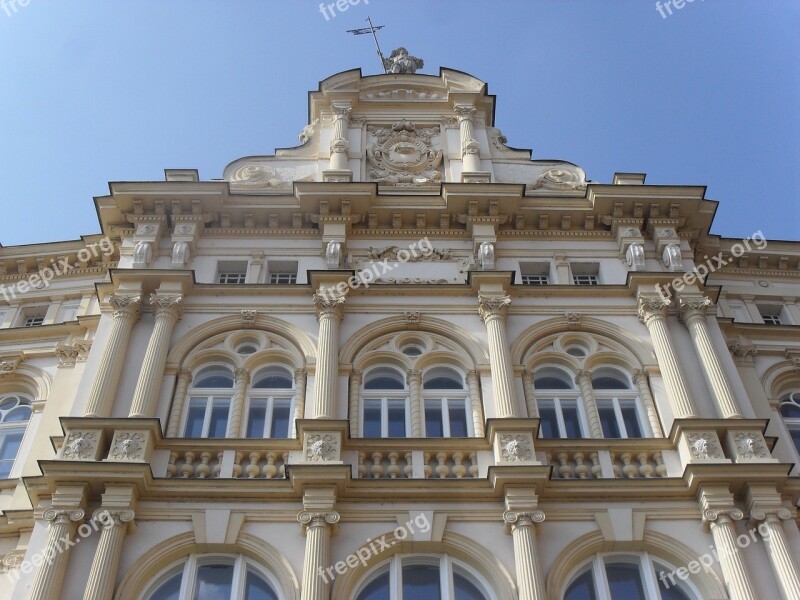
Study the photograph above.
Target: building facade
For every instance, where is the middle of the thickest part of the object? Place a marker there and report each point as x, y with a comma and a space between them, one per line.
401, 360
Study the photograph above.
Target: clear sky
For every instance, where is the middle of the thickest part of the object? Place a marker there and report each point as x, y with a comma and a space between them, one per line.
113, 90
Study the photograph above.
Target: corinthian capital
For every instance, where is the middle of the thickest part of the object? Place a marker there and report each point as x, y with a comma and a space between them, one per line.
167, 305
125, 306
493, 306
652, 307
692, 306
342, 111
329, 306
464, 111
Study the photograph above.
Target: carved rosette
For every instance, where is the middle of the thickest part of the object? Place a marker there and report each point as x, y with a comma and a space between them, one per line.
691, 307
515, 447
652, 307
329, 308
321, 447
125, 307
317, 519
493, 307
516, 519
81, 445
128, 446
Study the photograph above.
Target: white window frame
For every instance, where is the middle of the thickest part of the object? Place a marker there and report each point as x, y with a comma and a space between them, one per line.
210, 401
276, 395
11, 427
792, 423
193, 562
444, 407
556, 400
282, 278
772, 314
444, 562
384, 399
616, 400
229, 272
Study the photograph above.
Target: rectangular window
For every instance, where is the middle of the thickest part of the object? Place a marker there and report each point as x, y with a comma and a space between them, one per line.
372, 418
280, 419
608, 419
434, 422
207, 417
548, 425
232, 272
10, 442
771, 315
458, 418
282, 272
33, 321
585, 273
535, 273
446, 418
560, 418
397, 418
385, 417
69, 311
269, 417
620, 418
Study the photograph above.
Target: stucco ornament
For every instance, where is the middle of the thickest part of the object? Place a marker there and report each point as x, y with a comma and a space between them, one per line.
142, 253
400, 61
80, 445
704, 445
559, 179
634, 256
128, 446
672, 257
333, 254
404, 155
180, 253
486, 256
515, 447
322, 447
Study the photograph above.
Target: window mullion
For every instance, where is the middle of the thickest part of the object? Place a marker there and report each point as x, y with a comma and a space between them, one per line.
647, 571
601, 578
446, 578
623, 431
268, 408
188, 578
238, 583
396, 578
207, 416
562, 428
384, 417
445, 404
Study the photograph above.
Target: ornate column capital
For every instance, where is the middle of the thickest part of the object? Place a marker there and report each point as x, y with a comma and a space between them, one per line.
473, 375
242, 374
413, 375
492, 307
61, 516
584, 375
341, 110
652, 307
185, 374
690, 307
299, 374
639, 376
464, 112
125, 306
113, 518
310, 519
743, 353
516, 519
328, 307
765, 514
167, 305
719, 516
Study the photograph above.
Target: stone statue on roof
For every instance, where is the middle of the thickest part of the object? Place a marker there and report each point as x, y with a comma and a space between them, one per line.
400, 61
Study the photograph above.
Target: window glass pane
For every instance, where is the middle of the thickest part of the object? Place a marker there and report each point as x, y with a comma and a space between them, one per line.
609, 421
384, 379
9, 446
443, 383
668, 590
219, 419
434, 427
465, 589
549, 422
257, 589
378, 589
625, 582
582, 588
8, 403
169, 590
280, 419
790, 410
274, 378
458, 419
397, 418
421, 582
572, 422
21, 413
631, 421
609, 383
194, 421
372, 418
214, 378
256, 419
551, 383
214, 582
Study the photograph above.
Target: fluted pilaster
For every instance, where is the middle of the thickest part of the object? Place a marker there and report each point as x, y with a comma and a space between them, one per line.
470, 148
780, 555
329, 315
317, 553
734, 571
103, 574
106, 382
167, 310
693, 314
493, 311
49, 579
652, 312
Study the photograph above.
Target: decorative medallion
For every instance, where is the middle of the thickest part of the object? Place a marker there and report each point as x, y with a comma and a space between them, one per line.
404, 155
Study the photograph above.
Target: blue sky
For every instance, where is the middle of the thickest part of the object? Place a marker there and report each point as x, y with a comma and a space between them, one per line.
112, 90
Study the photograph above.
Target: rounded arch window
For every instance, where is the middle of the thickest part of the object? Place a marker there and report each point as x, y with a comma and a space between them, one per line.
618, 405
790, 411
443, 378
214, 578
447, 408
384, 378
551, 378
608, 577
15, 412
414, 577
610, 379
272, 378
214, 377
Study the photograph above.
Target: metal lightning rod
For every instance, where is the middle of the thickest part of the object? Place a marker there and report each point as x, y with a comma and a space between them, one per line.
372, 29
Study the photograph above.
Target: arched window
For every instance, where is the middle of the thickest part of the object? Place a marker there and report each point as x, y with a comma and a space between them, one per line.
446, 404
617, 404
214, 578
559, 409
619, 577
385, 404
209, 403
414, 577
790, 410
270, 403
15, 412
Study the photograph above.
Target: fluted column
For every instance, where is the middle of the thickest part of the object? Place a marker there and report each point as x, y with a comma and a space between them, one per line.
652, 312
530, 579
299, 398
339, 143
734, 572
234, 429
693, 314
49, 579
470, 148
329, 315
103, 574
473, 383
530, 395
104, 388
640, 379
167, 310
355, 402
584, 380
175, 415
414, 378
493, 311
780, 555
317, 553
